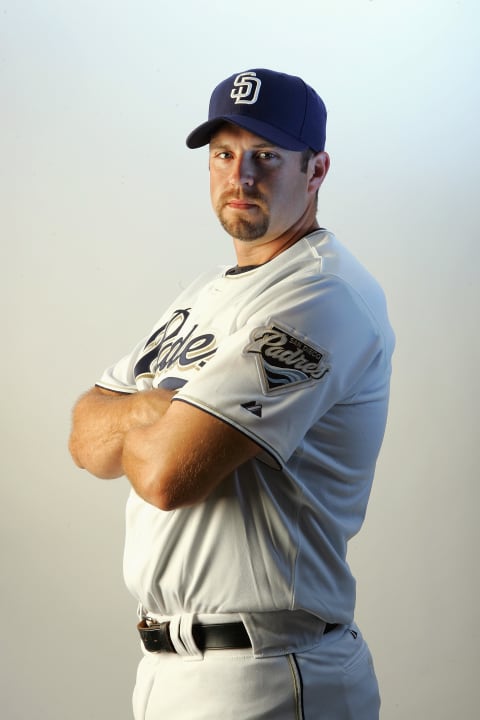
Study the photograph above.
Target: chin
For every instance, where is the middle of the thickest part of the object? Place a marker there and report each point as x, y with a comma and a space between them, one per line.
244, 229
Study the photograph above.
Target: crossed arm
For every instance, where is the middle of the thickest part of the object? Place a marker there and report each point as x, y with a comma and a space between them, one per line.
173, 454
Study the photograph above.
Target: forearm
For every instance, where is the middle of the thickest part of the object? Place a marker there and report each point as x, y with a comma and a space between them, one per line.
178, 460
101, 419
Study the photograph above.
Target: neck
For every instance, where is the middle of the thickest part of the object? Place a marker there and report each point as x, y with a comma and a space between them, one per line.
260, 251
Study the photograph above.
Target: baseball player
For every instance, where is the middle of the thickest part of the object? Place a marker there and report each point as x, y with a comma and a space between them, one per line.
248, 422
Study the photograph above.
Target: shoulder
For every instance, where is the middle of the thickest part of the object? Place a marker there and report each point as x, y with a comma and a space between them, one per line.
322, 292
342, 282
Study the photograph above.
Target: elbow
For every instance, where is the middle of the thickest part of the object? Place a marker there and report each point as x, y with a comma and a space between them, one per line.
163, 487
155, 489
145, 472
160, 475
163, 494
164, 501
177, 490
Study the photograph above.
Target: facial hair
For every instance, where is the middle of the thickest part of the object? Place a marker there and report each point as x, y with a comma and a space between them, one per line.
240, 227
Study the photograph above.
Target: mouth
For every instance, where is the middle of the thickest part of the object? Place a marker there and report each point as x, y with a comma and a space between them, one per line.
242, 203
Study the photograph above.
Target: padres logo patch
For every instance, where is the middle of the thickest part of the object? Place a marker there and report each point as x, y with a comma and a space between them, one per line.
284, 359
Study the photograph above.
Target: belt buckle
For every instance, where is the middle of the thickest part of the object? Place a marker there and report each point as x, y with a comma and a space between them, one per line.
155, 636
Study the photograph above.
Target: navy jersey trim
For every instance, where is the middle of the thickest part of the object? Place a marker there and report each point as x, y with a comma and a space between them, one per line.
116, 390
269, 456
298, 687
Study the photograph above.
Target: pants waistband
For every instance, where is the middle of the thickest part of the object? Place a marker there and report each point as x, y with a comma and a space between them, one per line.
183, 636
200, 618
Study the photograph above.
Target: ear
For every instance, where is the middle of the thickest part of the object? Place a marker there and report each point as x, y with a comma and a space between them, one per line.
317, 170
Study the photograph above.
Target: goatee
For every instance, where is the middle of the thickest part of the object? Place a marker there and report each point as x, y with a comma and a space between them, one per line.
240, 227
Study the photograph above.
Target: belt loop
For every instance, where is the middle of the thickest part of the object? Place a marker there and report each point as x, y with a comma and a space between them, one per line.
141, 612
182, 637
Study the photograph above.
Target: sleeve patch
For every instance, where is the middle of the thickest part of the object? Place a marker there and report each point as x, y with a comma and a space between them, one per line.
285, 359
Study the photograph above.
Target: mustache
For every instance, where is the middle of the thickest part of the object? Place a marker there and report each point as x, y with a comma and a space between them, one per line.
241, 195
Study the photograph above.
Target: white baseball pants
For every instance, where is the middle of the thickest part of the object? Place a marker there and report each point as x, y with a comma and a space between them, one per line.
333, 681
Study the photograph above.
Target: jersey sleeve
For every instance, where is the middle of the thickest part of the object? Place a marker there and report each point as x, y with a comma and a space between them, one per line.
120, 376
291, 361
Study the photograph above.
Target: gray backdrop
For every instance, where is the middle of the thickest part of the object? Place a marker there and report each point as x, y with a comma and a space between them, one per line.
105, 216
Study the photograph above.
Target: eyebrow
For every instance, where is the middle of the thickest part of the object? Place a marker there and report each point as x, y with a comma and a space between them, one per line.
217, 145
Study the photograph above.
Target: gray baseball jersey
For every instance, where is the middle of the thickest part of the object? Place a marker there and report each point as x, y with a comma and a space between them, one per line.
296, 354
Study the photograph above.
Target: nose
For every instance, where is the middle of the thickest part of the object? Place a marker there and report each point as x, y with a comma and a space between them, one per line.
243, 172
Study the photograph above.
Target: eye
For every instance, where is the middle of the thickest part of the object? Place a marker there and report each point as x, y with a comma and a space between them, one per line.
266, 155
223, 155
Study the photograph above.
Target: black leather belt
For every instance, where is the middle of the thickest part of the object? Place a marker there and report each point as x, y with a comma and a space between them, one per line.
220, 636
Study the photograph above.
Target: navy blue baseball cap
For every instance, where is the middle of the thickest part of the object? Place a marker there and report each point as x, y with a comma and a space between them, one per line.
280, 108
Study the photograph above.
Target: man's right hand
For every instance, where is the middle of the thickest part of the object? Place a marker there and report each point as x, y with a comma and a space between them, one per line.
101, 419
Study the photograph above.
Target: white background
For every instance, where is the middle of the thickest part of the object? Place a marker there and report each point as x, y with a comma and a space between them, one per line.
105, 215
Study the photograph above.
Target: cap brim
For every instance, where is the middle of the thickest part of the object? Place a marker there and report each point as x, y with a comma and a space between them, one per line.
203, 133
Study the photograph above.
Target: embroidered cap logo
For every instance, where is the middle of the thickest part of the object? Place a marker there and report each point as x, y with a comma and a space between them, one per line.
246, 90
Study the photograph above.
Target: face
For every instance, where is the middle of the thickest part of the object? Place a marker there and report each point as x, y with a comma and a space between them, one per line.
258, 190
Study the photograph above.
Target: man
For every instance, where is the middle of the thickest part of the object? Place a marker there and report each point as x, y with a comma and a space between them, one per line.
248, 423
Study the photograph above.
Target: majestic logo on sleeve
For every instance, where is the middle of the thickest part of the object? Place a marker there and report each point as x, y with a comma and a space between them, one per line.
246, 88
284, 360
